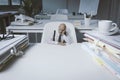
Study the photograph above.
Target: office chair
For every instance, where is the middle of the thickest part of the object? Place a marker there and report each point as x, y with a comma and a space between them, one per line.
59, 17
51, 26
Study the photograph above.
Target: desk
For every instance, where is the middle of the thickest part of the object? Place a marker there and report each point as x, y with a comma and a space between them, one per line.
54, 62
70, 17
9, 48
37, 29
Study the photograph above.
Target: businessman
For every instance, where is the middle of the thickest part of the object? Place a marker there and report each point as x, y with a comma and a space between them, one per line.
61, 37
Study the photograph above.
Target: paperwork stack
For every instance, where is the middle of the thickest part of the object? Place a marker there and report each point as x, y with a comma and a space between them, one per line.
105, 50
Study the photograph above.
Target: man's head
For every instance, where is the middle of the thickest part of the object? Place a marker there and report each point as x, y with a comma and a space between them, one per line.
62, 28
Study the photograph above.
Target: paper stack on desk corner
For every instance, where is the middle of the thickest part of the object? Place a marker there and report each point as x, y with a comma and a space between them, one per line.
110, 50
19, 23
111, 43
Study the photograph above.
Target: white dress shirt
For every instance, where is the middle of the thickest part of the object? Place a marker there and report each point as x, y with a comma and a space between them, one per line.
65, 38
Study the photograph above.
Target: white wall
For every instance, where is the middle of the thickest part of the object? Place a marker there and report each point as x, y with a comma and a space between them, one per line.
53, 5
73, 5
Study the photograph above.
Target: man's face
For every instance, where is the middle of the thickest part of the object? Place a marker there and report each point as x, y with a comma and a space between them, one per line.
62, 28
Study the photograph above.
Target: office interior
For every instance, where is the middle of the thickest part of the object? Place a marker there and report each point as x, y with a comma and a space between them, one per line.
30, 47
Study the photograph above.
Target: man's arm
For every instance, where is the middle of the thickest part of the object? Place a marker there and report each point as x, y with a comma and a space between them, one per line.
52, 39
67, 39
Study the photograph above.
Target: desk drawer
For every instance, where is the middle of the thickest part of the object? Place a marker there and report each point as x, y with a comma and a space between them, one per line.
34, 37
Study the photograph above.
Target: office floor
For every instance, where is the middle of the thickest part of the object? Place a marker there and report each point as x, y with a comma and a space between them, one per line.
53, 62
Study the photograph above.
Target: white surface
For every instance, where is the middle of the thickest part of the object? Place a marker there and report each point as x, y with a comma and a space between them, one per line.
39, 26
70, 17
21, 23
50, 27
54, 62
59, 17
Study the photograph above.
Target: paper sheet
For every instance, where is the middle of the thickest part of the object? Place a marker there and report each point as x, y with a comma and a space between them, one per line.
113, 40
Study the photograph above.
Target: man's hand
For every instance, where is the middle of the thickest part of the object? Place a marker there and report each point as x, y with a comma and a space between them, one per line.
63, 32
61, 43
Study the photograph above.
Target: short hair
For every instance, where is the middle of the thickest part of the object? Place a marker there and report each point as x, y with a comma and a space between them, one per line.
63, 25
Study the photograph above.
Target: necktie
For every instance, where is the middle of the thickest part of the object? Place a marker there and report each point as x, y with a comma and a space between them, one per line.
54, 35
59, 38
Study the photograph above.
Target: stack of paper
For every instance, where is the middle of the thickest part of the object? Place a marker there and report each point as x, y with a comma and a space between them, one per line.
19, 23
106, 50
111, 43
111, 40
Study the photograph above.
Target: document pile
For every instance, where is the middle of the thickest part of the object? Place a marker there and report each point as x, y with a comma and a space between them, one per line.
105, 50
22, 20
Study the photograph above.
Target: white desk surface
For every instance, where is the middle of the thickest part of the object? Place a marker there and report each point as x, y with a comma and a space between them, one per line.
54, 62
70, 16
39, 26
